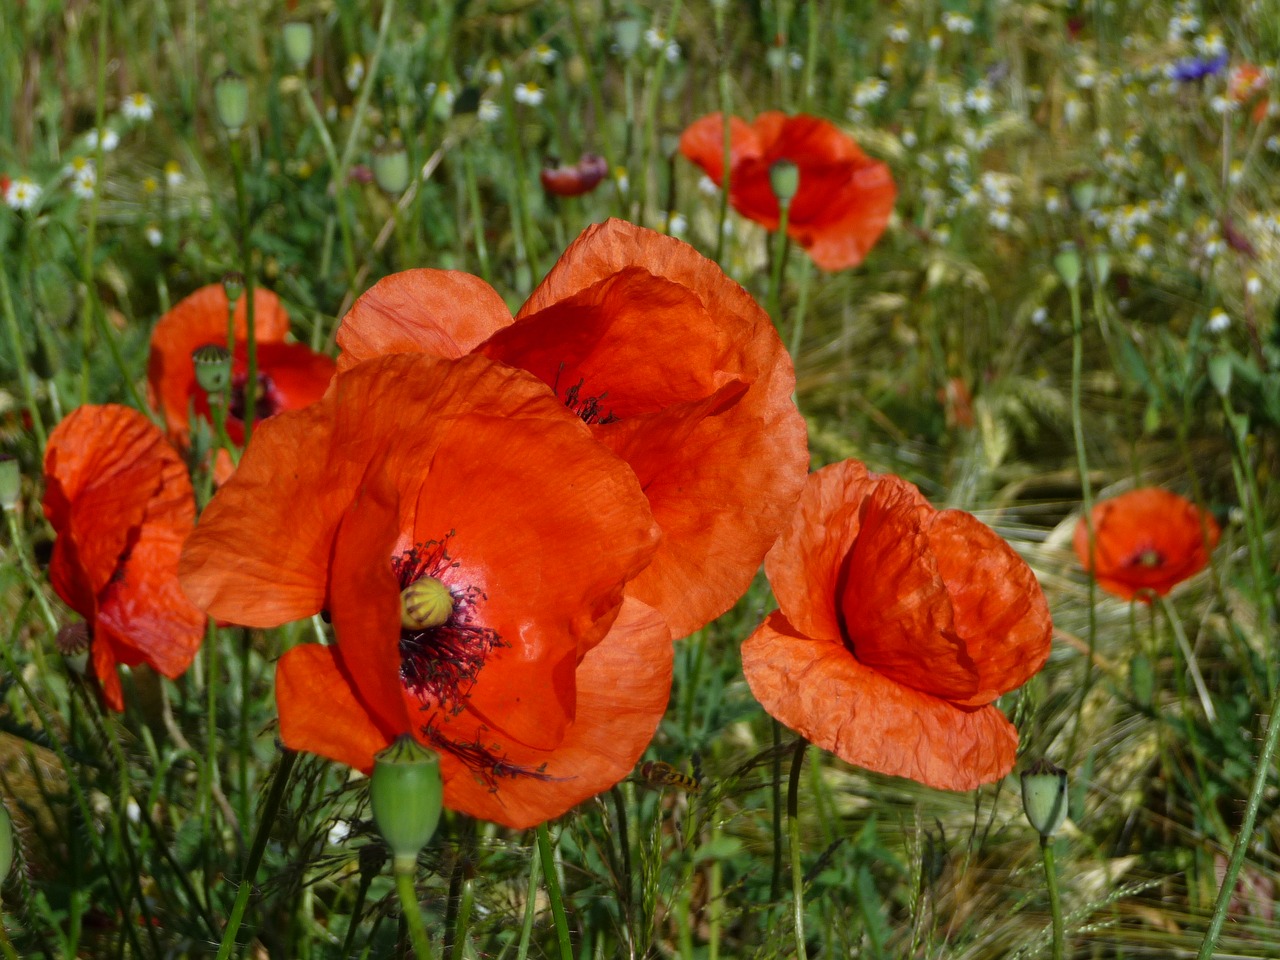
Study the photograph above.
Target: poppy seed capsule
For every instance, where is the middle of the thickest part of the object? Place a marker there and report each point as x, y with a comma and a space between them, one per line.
10, 483
424, 604
233, 285
406, 794
391, 168
1067, 263
231, 101
1044, 796
299, 41
784, 178
213, 367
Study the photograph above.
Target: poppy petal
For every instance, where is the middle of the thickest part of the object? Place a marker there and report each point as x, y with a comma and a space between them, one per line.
443, 313
624, 683
193, 322
703, 143
815, 688
897, 611
1001, 614
319, 710
105, 668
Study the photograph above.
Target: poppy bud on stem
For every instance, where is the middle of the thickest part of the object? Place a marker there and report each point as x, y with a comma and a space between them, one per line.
1044, 799
406, 794
784, 178
231, 101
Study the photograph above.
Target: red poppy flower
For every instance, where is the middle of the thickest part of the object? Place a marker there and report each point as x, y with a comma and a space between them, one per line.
844, 200
577, 179
1146, 541
290, 375
674, 367
540, 687
898, 626
121, 502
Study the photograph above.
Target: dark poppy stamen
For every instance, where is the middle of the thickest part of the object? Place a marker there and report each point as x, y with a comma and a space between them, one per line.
589, 409
440, 664
486, 761
266, 399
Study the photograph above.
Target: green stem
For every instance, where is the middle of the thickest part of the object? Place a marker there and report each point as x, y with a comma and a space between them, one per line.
553, 892
1189, 655
353, 921
1262, 770
280, 780
802, 305
726, 114
780, 250
463, 923
793, 836
6, 946
1055, 902
530, 906
20, 358
775, 879
1086, 496
91, 305
593, 83
246, 267
411, 910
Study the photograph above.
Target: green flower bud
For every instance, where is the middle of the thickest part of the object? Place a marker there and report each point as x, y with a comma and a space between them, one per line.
1220, 373
299, 42
391, 168
1142, 679
10, 483
213, 367
1101, 266
406, 794
424, 604
627, 33
231, 101
784, 178
6, 842
1083, 195
1044, 796
233, 284
1067, 263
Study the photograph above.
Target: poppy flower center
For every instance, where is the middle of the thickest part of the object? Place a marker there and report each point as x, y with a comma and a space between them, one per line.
1150, 559
588, 408
267, 401
443, 645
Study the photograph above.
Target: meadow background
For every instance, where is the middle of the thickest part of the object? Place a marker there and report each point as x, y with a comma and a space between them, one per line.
957, 355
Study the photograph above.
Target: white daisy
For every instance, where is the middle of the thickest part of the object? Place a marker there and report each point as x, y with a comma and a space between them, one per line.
22, 194
138, 106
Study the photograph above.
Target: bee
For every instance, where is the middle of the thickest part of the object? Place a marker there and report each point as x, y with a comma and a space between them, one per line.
658, 774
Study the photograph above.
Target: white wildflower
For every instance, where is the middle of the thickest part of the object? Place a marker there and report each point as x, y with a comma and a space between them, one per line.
138, 106
354, 72
153, 234
1218, 321
22, 193
488, 111
899, 33
529, 93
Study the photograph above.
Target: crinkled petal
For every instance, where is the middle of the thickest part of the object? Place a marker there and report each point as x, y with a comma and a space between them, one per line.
1000, 612
443, 313
897, 612
818, 689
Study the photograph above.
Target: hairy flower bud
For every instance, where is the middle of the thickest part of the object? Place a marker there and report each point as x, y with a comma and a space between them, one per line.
299, 42
231, 101
784, 178
213, 367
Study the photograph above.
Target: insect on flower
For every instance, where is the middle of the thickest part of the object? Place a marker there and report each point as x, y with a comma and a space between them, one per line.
658, 774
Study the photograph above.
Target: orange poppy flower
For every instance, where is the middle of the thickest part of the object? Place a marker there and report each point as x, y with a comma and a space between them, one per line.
290, 375
898, 626
121, 502
1146, 541
540, 686
672, 365
844, 200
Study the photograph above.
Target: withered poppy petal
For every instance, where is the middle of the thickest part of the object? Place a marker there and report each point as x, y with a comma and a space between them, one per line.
703, 143
1000, 612
442, 313
319, 710
193, 322
897, 611
624, 683
817, 689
